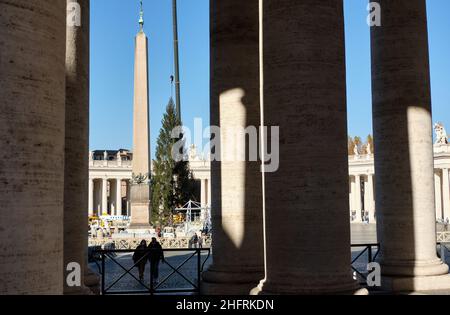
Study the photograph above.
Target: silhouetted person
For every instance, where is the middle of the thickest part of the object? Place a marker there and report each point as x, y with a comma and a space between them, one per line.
195, 241
139, 258
156, 255
200, 240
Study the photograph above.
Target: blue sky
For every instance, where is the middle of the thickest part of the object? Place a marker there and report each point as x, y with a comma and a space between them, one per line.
114, 25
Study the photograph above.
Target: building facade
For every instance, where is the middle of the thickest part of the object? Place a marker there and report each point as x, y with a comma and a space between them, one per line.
110, 174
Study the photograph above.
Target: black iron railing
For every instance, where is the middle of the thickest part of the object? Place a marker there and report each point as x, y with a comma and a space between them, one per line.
371, 250
109, 258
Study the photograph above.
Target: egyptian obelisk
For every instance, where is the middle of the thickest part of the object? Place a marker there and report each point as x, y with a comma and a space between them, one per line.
140, 184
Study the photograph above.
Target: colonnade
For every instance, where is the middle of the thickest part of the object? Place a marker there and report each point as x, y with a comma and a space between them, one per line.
109, 196
442, 188
362, 198
301, 78
282, 64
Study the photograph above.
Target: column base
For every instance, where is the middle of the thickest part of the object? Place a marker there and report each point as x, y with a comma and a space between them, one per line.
92, 281
415, 284
413, 269
266, 288
83, 290
229, 283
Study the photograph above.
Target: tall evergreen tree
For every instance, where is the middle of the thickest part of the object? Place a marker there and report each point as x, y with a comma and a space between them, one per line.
172, 182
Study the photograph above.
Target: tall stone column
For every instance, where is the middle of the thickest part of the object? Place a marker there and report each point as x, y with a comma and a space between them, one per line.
76, 167
305, 95
370, 201
203, 193
446, 193
91, 197
236, 184
438, 194
118, 196
32, 93
98, 196
208, 187
350, 196
77, 160
128, 198
404, 149
357, 195
104, 196
113, 196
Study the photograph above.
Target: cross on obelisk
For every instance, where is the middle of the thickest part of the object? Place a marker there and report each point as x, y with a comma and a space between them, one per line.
140, 184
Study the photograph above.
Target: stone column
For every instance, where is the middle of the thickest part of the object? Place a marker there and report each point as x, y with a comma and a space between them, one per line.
76, 172
404, 149
113, 196
350, 196
208, 187
32, 93
203, 193
446, 193
104, 196
438, 194
118, 196
357, 201
236, 184
91, 197
98, 196
370, 200
305, 95
128, 198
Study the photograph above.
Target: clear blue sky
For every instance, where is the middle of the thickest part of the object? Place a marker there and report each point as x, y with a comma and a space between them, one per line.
114, 25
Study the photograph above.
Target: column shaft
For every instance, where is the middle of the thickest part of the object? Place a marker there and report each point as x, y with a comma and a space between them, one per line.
404, 148
104, 196
236, 184
32, 93
305, 95
446, 194
91, 197
370, 204
438, 194
357, 195
351, 196
77, 143
118, 197
203, 193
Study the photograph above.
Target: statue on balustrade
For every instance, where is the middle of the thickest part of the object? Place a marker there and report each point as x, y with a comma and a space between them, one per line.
441, 134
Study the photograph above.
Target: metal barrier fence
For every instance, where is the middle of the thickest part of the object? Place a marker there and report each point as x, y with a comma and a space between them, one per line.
141, 286
372, 251
367, 252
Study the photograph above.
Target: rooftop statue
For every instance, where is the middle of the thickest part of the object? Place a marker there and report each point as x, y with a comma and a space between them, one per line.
193, 153
369, 149
441, 134
356, 151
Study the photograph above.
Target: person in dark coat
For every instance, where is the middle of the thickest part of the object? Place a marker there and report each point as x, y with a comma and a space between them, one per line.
139, 258
156, 255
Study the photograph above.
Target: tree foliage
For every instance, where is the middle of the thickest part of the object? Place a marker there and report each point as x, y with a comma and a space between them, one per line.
172, 183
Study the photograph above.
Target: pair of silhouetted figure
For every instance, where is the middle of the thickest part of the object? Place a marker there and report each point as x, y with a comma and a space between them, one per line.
153, 253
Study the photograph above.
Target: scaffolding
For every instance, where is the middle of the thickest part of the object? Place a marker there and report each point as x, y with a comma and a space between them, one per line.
205, 216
